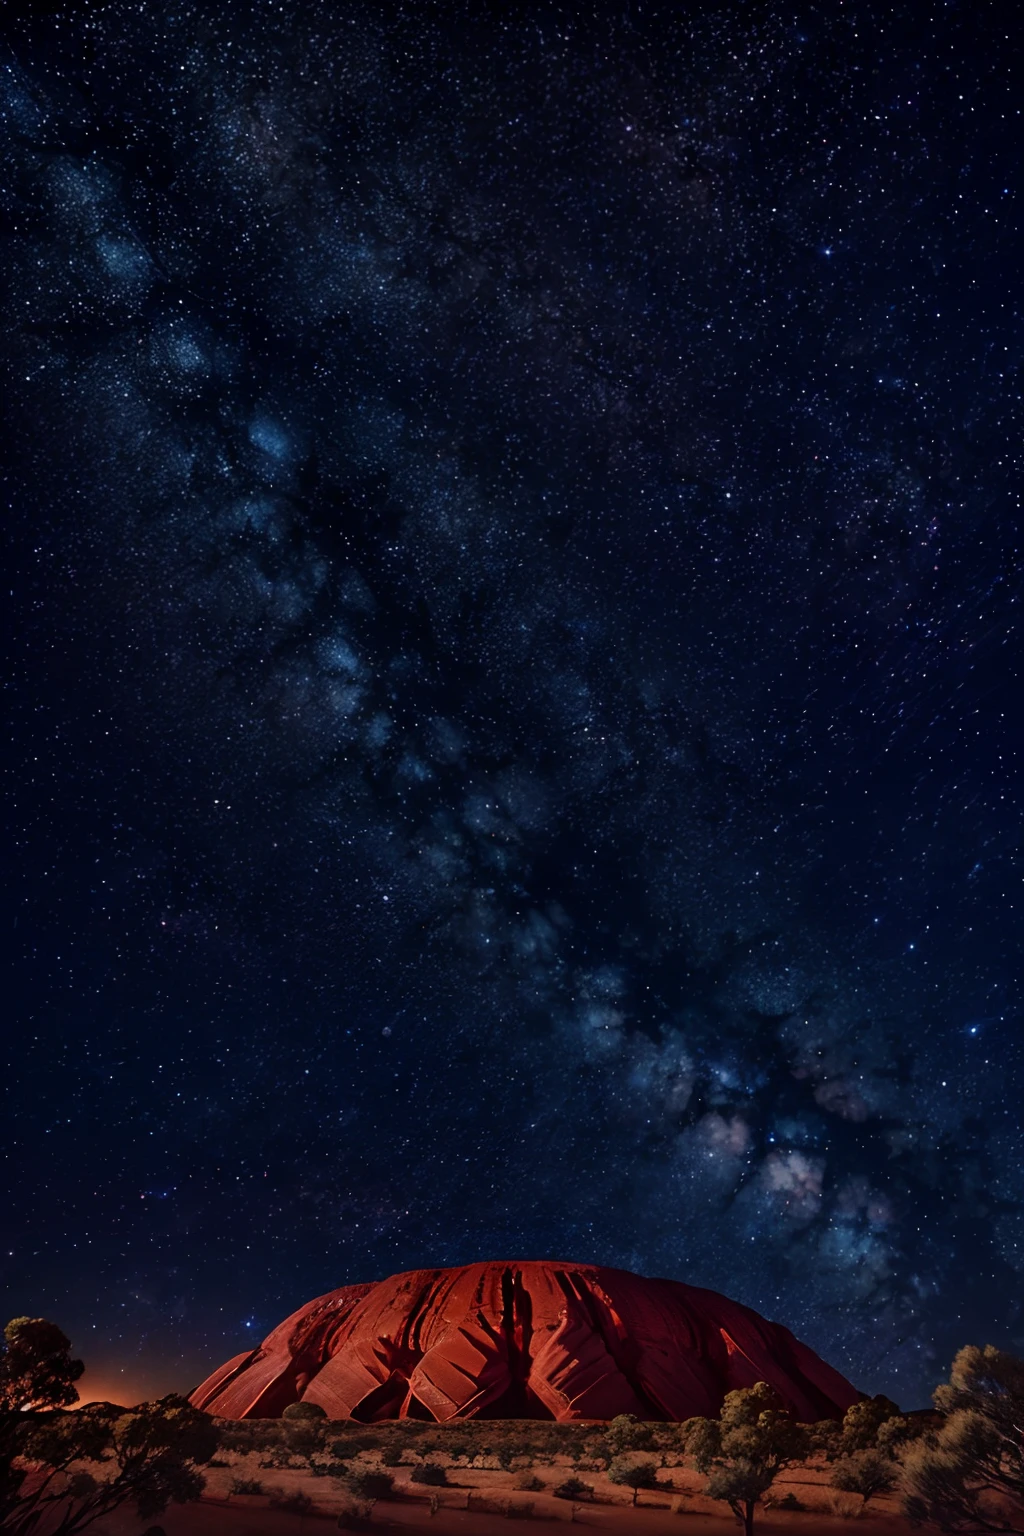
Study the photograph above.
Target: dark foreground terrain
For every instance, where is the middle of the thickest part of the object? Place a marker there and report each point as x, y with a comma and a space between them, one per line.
481, 1494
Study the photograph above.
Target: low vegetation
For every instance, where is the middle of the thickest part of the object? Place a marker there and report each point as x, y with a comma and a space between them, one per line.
431, 1473
960, 1469
64, 1470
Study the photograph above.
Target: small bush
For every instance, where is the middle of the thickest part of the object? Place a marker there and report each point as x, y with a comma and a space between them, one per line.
239, 1438
431, 1473
865, 1472
508, 1451
331, 1469
391, 1456
372, 1485
246, 1485
573, 1488
627, 1433
529, 1482
788, 1501
307, 1411
297, 1503
348, 1444
847, 1505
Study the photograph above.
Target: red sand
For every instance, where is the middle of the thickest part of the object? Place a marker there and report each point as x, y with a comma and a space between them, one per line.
250, 1515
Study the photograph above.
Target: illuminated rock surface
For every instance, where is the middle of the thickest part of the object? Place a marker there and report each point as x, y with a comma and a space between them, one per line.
526, 1340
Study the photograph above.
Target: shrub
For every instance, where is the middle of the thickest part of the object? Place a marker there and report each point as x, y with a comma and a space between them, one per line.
787, 1501
431, 1473
627, 1433
530, 1482
297, 1503
246, 1485
866, 1473
863, 1421
300, 1411
240, 1437
391, 1456
371, 1485
508, 1451
573, 1488
846, 1505
277, 1456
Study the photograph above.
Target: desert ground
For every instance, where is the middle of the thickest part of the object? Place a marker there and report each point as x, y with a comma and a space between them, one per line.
481, 1498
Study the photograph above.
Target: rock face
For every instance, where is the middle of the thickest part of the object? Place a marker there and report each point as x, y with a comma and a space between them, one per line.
525, 1340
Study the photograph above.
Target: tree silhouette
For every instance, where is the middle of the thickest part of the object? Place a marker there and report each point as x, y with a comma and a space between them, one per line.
92, 1462
37, 1375
63, 1470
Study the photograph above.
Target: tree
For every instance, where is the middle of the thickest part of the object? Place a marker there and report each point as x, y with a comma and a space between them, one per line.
627, 1433
36, 1368
895, 1436
862, 1422
970, 1475
873, 1423
90, 1463
37, 1375
745, 1449
867, 1472
635, 1475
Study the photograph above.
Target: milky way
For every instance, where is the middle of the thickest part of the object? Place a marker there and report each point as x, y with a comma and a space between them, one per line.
512, 654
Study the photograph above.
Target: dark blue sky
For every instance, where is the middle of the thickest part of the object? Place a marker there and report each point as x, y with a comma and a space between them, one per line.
512, 660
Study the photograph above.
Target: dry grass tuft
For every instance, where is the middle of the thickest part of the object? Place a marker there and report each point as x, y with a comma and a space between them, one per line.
849, 1506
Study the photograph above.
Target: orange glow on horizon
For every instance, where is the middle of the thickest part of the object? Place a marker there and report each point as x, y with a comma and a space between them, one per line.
118, 1384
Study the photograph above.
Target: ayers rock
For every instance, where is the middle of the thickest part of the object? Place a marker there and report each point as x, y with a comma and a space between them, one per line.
524, 1340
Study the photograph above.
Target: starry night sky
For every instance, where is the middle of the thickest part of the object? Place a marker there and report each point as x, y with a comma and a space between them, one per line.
512, 651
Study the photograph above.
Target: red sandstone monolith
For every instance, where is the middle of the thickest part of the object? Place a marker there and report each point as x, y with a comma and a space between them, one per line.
535, 1340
